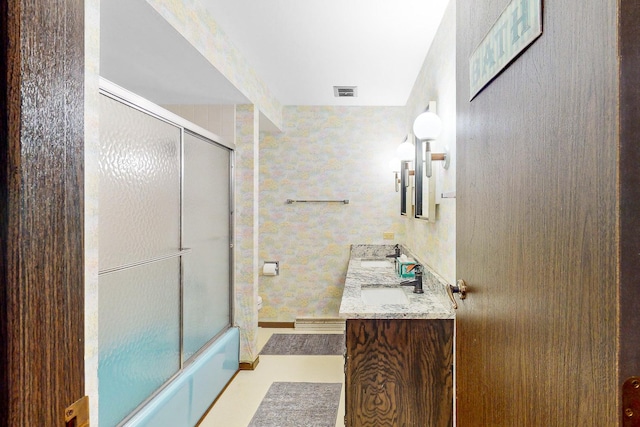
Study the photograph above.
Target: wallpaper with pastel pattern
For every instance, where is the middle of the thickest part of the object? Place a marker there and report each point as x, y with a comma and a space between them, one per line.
91, 150
435, 243
324, 153
246, 230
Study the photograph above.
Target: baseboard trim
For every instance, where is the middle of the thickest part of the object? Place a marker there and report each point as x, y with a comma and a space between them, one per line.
289, 325
313, 323
249, 366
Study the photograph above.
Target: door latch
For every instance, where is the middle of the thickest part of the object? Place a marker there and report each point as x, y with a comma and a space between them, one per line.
77, 414
459, 288
631, 402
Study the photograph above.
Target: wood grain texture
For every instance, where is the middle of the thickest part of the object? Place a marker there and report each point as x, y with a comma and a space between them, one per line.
629, 46
41, 229
536, 223
399, 373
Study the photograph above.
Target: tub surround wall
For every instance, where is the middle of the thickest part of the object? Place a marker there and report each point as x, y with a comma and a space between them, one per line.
324, 153
436, 242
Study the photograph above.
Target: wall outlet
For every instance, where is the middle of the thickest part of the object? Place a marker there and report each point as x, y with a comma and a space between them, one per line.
388, 235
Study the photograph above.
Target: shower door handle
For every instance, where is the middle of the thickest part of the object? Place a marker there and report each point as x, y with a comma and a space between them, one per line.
181, 252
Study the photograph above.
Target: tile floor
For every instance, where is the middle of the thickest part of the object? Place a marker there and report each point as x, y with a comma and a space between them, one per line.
241, 399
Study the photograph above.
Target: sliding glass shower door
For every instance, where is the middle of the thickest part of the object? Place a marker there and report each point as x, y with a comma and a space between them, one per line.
164, 260
206, 231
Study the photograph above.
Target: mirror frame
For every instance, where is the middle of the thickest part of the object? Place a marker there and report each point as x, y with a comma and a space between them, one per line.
405, 185
425, 206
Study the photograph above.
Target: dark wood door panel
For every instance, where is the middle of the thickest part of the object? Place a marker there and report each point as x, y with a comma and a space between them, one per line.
629, 47
536, 224
41, 221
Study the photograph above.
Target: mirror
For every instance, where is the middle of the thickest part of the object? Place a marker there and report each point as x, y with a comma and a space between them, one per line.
406, 187
425, 186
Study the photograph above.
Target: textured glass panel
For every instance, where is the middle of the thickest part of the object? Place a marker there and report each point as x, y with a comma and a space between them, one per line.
139, 336
206, 232
139, 186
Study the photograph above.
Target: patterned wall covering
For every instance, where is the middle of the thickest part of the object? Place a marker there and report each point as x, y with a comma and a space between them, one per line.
219, 119
197, 25
324, 153
91, 149
435, 244
246, 230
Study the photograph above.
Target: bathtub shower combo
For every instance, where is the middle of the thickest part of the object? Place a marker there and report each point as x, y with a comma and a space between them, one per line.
166, 342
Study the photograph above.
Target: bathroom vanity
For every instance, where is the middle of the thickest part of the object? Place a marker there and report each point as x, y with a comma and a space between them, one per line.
399, 346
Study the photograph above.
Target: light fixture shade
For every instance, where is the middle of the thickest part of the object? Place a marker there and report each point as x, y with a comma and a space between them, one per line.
406, 151
427, 126
394, 165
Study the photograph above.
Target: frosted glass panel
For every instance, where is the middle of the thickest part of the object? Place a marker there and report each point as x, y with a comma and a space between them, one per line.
139, 335
206, 232
139, 186
152, 183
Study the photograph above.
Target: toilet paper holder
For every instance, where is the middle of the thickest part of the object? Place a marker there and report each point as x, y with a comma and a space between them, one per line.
271, 268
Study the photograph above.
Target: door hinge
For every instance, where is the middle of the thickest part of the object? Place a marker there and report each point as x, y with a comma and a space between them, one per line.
77, 414
631, 402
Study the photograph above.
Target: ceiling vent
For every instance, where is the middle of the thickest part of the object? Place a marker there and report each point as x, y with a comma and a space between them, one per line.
345, 91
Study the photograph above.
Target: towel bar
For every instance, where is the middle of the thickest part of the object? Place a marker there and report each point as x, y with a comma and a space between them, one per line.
291, 201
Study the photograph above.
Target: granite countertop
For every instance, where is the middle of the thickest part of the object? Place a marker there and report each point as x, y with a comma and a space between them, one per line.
434, 303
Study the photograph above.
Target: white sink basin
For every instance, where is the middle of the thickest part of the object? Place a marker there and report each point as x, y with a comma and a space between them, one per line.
375, 263
380, 296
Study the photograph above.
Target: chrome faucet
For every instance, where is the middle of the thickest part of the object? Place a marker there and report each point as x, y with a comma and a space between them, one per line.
417, 281
396, 253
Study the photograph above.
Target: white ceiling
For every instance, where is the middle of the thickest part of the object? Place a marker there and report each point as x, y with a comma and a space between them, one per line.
300, 48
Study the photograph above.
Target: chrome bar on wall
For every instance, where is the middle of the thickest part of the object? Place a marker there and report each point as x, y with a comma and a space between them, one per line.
291, 201
144, 262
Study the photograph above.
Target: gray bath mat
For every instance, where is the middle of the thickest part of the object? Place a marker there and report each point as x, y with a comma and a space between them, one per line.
304, 345
298, 404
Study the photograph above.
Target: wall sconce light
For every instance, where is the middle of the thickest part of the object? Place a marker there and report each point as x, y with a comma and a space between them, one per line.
427, 127
406, 150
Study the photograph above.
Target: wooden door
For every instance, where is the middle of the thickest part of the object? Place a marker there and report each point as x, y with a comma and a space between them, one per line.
41, 211
629, 226
537, 223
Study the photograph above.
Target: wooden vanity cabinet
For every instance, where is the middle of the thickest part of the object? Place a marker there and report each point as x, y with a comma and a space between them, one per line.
398, 373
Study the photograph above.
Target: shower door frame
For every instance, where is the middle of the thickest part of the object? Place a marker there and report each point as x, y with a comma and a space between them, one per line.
137, 102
